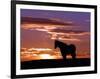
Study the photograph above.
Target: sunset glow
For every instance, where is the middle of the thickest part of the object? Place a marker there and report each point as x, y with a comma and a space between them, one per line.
46, 56
46, 53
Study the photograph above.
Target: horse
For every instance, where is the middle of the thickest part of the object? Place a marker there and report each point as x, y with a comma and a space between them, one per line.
66, 49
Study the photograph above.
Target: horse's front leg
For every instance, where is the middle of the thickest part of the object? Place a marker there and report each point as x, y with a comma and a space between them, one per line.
64, 56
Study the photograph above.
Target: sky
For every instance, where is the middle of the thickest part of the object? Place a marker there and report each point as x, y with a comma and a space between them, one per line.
40, 28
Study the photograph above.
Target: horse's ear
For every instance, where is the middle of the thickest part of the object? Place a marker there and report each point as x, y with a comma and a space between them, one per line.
55, 40
55, 44
72, 44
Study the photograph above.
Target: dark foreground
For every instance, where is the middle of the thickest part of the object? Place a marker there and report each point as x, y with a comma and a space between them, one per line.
55, 63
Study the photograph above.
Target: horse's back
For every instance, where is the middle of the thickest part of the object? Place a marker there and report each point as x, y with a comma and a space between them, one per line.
72, 47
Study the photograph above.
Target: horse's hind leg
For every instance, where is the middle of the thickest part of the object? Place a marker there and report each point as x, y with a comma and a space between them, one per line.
73, 55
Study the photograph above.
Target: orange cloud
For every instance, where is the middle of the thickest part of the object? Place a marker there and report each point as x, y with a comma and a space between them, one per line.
56, 31
46, 53
69, 35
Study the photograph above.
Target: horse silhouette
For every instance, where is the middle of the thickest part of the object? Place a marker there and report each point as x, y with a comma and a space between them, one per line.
66, 49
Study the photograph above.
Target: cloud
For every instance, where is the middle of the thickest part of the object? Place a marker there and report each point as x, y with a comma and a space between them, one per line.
40, 27
30, 20
68, 35
61, 20
54, 31
43, 24
63, 36
39, 53
70, 32
46, 53
57, 32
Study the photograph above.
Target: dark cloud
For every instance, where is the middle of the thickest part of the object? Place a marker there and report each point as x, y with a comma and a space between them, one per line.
30, 20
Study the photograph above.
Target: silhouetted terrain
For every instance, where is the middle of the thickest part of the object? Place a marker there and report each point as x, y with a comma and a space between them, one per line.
55, 63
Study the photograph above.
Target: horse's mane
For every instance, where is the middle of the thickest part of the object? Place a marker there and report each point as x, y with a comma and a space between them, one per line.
61, 43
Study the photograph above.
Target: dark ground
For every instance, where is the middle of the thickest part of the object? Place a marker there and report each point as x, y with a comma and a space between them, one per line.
55, 63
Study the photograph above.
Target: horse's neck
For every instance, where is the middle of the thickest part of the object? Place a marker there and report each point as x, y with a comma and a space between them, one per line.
61, 46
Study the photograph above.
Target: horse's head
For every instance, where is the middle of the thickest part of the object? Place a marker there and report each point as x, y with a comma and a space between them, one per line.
56, 43
59, 44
